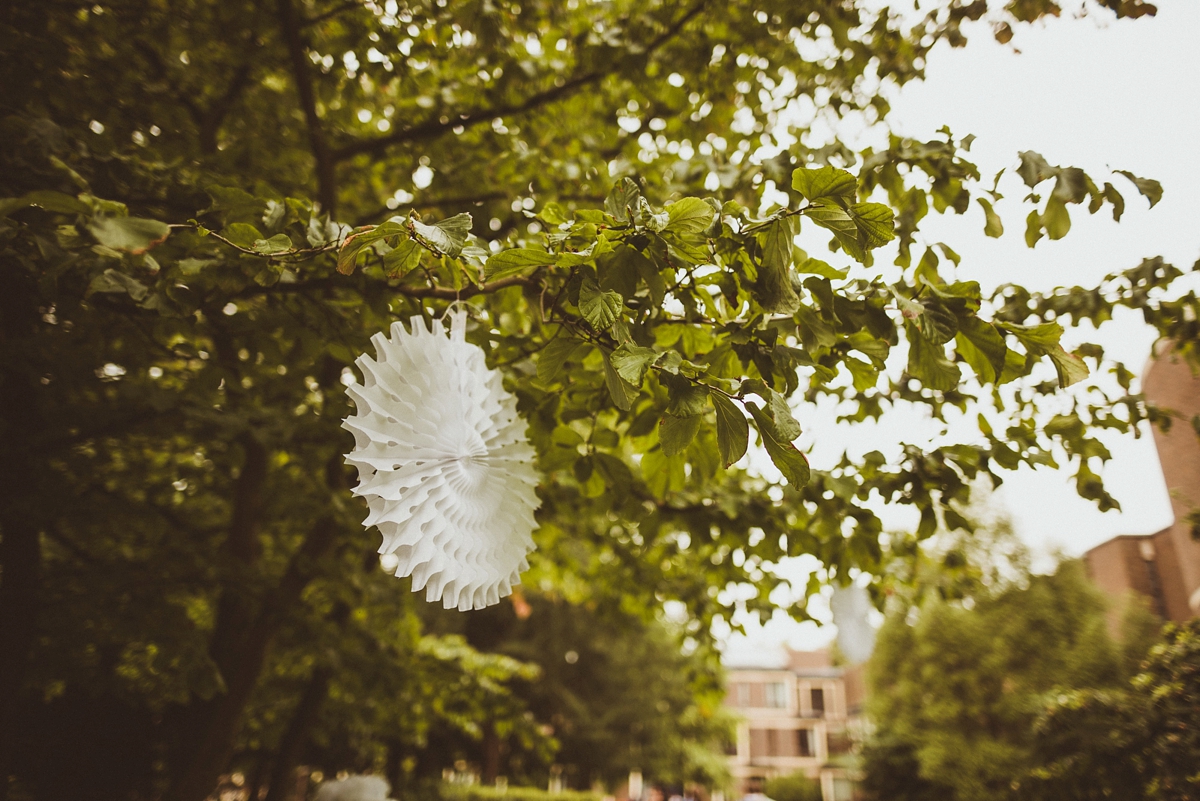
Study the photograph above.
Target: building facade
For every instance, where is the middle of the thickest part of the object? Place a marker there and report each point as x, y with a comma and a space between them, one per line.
1163, 568
803, 716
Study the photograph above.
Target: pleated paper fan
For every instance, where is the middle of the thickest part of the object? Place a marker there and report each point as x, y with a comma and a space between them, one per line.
444, 464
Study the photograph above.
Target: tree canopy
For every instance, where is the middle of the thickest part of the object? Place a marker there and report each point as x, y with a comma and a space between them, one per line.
209, 208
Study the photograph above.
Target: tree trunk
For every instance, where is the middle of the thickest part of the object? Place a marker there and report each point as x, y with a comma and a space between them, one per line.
21, 517
294, 739
214, 744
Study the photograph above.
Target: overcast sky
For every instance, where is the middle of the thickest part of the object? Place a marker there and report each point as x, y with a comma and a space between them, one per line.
1093, 93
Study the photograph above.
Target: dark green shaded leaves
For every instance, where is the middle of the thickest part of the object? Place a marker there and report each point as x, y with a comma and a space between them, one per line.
676, 433
552, 358
133, 234
47, 199
403, 259
982, 347
631, 362
783, 453
825, 182
118, 282
600, 308
1034, 169
515, 262
776, 407
684, 398
447, 236
1150, 189
927, 362
623, 197
775, 292
733, 430
937, 323
622, 391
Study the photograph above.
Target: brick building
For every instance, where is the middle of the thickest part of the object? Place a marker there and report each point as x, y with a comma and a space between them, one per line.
1164, 567
797, 717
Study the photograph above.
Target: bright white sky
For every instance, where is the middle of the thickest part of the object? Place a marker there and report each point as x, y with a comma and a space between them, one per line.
1094, 93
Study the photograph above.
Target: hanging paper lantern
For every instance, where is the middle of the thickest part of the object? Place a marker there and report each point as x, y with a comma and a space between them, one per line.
444, 464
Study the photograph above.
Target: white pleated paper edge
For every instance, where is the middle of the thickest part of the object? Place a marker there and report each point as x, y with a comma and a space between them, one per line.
444, 464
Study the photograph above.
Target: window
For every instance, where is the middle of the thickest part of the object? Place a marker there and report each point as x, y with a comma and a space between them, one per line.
741, 694
776, 696
780, 743
818, 703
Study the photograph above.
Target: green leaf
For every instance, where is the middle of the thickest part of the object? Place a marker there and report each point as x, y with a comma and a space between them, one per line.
130, 234
622, 392
1033, 228
1070, 368
676, 433
403, 259
733, 430
244, 235
1150, 189
1038, 339
280, 243
599, 308
993, 227
839, 221
689, 215
1056, 219
876, 224
982, 347
47, 199
937, 322
774, 285
648, 218
662, 473
777, 407
118, 282
684, 398
447, 236
515, 262
865, 375
927, 362
824, 182
783, 453
818, 267
631, 362
1034, 169
552, 357
623, 197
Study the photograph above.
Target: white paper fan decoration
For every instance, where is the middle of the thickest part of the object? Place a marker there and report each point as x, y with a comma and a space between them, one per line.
444, 463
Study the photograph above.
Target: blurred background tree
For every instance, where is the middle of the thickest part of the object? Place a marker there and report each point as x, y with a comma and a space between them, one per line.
990, 682
186, 589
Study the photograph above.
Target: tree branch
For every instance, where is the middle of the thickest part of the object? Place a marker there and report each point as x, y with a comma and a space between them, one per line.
434, 127
289, 25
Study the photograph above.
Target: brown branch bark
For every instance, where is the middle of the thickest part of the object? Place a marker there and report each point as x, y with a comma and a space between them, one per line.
439, 292
326, 163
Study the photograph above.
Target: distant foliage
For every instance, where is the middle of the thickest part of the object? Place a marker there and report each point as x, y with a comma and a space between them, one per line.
956, 691
793, 787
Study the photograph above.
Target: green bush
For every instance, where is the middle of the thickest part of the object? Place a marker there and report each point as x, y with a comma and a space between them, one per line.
460, 792
793, 787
